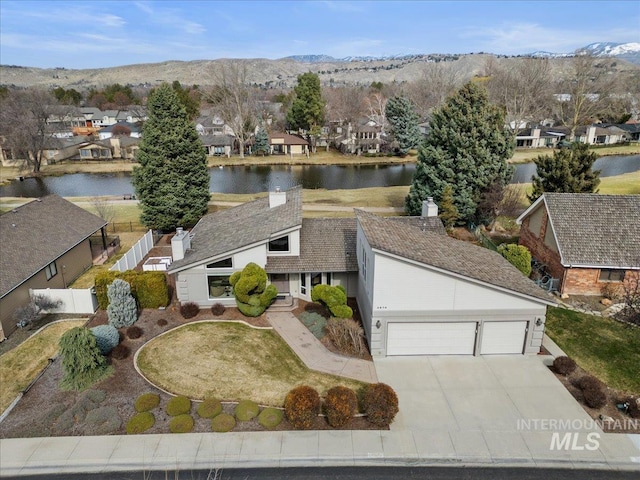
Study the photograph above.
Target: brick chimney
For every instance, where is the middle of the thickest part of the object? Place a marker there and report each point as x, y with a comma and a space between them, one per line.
180, 243
277, 198
429, 208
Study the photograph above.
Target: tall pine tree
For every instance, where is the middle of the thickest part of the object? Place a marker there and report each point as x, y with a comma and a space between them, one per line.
307, 109
467, 148
404, 123
172, 179
261, 145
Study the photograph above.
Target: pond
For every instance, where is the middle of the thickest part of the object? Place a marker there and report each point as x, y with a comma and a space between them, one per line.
254, 179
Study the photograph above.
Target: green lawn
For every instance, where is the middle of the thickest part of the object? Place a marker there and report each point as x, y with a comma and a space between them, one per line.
231, 361
608, 349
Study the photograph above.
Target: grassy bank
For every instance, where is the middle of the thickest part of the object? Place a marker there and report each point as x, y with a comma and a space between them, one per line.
530, 154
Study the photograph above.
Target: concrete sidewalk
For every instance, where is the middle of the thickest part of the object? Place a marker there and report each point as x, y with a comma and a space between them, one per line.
314, 354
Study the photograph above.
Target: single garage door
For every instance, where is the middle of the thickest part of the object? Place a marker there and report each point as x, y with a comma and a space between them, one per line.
446, 338
503, 337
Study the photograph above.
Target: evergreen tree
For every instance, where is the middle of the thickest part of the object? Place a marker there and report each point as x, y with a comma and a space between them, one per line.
172, 180
122, 310
261, 145
467, 148
82, 362
448, 211
307, 109
404, 123
568, 170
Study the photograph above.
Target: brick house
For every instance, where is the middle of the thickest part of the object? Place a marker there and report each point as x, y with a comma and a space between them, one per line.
585, 240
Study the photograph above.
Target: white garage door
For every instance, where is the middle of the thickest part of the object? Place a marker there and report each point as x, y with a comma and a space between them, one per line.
503, 337
450, 338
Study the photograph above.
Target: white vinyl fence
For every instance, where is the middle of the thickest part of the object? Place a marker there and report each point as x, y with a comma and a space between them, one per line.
81, 300
135, 254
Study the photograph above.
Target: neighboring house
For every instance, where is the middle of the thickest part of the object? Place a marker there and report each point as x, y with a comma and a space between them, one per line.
218, 145
539, 136
632, 131
418, 291
134, 129
366, 137
287, 144
585, 240
59, 150
45, 244
210, 124
600, 135
96, 151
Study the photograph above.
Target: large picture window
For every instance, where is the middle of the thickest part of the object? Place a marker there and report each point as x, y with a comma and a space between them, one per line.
224, 263
279, 244
219, 286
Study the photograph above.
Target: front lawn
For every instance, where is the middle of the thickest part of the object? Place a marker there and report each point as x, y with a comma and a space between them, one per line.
608, 349
22, 364
230, 361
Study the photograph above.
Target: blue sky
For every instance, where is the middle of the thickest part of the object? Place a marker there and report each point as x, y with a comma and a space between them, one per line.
93, 34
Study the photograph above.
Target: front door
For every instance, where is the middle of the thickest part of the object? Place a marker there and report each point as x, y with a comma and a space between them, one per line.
281, 282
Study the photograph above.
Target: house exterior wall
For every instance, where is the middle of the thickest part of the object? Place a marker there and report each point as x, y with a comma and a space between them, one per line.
586, 281
545, 252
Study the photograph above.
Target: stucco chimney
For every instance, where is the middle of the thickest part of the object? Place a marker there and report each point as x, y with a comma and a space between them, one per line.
429, 208
180, 243
277, 198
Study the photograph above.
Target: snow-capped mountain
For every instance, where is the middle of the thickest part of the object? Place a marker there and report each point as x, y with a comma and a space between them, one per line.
312, 58
543, 54
627, 51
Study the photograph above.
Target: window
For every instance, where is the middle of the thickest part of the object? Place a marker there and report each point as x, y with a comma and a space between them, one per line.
303, 283
51, 270
85, 153
364, 263
328, 278
611, 275
219, 286
279, 244
316, 279
224, 263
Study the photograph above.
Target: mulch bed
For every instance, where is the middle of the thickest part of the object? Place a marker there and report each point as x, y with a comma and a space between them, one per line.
46, 411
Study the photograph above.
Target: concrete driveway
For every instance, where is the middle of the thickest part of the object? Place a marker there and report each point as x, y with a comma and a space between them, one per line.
490, 408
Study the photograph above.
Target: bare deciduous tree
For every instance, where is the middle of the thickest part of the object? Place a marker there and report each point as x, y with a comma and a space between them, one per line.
103, 208
376, 103
437, 81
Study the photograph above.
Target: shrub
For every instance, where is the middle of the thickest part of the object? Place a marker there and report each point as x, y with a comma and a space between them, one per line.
610, 290
107, 337
140, 422
82, 362
223, 423
315, 323
340, 406
150, 289
246, 410
347, 335
189, 309
593, 391
250, 288
162, 322
134, 332
270, 418
588, 382
334, 297
518, 255
120, 352
181, 424
634, 407
217, 309
380, 404
564, 365
178, 406
33, 310
122, 310
102, 421
301, 407
146, 402
209, 408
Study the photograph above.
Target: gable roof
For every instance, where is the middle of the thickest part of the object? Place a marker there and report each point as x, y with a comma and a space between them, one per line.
221, 232
446, 253
593, 230
288, 139
37, 233
326, 245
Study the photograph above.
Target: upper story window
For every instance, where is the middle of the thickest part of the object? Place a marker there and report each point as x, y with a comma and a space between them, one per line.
51, 270
279, 244
611, 275
224, 263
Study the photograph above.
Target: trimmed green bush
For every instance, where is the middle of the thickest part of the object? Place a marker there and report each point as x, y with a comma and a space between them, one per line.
341, 405
146, 402
380, 404
107, 337
140, 422
178, 406
564, 365
334, 297
250, 288
82, 362
270, 418
181, 424
209, 408
518, 255
301, 407
223, 423
246, 410
189, 309
148, 288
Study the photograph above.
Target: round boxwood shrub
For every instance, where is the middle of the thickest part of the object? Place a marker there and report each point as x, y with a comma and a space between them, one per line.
217, 309
189, 309
209, 408
181, 424
340, 404
223, 423
270, 418
301, 407
593, 391
120, 352
134, 332
107, 337
246, 410
178, 406
380, 404
162, 322
564, 365
146, 402
140, 422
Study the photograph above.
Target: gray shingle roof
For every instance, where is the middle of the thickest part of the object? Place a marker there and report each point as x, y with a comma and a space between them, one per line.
446, 253
237, 227
34, 235
432, 224
326, 245
596, 230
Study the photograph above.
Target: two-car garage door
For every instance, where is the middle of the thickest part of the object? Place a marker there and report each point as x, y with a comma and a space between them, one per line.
455, 338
